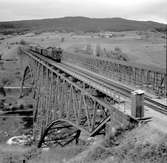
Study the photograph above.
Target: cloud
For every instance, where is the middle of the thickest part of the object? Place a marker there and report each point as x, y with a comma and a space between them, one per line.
155, 11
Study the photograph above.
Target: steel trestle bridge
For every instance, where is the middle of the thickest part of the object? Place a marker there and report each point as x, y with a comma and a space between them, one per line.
84, 99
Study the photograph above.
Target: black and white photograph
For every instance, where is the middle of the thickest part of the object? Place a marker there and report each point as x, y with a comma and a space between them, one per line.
83, 81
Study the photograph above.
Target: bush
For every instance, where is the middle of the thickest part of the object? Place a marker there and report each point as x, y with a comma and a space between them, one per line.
164, 37
7, 80
62, 39
117, 49
99, 153
23, 42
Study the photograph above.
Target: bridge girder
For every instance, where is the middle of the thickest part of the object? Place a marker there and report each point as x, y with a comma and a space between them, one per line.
59, 95
149, 78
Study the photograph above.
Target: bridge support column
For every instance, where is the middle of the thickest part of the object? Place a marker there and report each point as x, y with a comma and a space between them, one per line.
137, 107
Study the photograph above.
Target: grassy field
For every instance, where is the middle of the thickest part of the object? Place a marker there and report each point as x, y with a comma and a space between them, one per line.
140, 46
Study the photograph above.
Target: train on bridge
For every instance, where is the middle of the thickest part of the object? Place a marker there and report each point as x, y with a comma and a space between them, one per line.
50, 52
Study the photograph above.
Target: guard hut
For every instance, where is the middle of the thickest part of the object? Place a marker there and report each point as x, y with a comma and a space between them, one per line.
137, 107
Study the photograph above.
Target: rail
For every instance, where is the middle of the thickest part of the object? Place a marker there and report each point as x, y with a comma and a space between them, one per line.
151, 79
121, 89
106, 84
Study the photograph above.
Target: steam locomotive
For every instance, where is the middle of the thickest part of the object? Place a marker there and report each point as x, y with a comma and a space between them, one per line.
50, 52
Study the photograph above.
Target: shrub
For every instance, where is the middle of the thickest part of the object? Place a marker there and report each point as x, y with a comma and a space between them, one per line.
62, 39
7, 80
117, 49
163, 37
23, 42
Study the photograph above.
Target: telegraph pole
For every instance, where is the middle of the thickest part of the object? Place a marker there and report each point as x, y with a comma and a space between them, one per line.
166, 46
166, 57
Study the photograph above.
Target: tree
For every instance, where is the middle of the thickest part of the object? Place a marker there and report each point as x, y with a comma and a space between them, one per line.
98, 50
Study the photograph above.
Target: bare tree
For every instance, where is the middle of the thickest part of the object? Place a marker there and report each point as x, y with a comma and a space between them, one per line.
98, 50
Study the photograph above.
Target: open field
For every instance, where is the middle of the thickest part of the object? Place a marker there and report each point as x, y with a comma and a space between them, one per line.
140, 46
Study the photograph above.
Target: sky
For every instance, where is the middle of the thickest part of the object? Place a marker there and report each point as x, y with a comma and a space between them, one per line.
153, 10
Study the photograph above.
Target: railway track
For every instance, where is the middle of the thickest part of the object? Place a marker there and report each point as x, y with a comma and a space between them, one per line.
155, 105
121, 89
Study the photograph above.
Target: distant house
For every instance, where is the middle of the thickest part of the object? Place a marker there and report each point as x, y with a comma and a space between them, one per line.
106, 34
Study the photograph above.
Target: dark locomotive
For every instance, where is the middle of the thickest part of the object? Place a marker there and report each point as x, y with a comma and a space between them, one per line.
50, 52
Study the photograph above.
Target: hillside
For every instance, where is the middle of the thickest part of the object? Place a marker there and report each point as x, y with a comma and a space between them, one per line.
74, 24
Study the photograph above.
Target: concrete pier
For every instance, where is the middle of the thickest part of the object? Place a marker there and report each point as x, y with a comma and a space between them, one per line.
137, 107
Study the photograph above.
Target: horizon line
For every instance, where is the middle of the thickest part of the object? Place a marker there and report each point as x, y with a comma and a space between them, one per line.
17, 20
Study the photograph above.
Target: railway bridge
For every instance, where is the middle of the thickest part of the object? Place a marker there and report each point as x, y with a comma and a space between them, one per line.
77, 92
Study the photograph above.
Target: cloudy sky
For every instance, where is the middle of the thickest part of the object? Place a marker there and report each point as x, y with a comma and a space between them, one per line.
155, 10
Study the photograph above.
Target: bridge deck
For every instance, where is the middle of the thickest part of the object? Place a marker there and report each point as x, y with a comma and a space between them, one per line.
158, 119
161, 100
